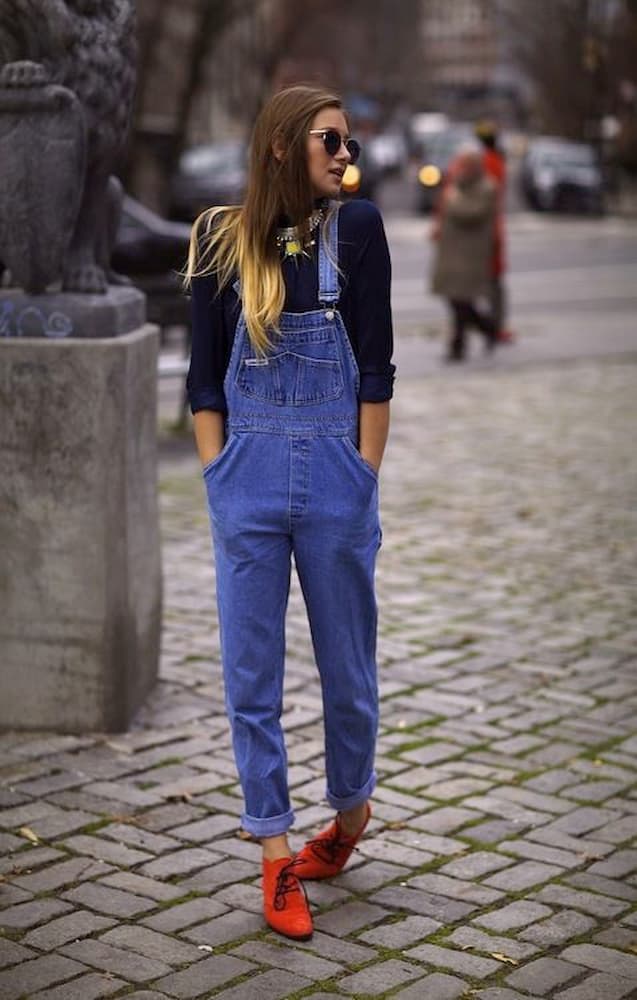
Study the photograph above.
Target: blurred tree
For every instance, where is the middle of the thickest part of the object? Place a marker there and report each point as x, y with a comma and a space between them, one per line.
566, 57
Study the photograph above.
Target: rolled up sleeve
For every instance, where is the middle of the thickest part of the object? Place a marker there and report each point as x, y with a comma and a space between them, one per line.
372, 312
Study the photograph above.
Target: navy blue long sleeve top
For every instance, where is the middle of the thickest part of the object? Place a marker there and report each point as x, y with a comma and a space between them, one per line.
364, 305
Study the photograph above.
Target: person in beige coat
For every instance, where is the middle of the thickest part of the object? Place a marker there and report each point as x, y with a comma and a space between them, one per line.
464, 232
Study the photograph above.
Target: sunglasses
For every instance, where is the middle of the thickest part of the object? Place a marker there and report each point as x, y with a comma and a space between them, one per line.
332, 141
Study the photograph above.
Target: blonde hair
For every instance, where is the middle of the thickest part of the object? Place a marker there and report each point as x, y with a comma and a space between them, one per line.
240, 239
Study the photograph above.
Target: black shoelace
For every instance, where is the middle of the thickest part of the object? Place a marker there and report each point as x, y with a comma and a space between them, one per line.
287, 882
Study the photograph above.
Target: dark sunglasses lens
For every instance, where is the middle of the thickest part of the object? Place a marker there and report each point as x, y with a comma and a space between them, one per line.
332, 140
354, 149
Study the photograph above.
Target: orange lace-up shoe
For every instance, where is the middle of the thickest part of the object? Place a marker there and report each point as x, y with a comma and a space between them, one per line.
285, 905
325, 855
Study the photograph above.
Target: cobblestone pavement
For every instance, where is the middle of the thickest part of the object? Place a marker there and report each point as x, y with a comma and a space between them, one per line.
501, 862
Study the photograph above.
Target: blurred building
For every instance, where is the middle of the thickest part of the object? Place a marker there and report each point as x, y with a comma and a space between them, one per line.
468, 65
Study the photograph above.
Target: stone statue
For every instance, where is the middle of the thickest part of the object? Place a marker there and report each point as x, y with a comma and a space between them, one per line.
67, 74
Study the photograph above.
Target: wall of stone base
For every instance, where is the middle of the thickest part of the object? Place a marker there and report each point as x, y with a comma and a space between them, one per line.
80, 563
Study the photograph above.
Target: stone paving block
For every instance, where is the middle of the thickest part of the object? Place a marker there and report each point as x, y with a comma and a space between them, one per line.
335, 949
585, 819
432, 753
523, 876
370, 876
619, 831
425, 904
476, 864
56, 876
494, 831
616, 888
618, 937
518, 914
590, 902
137, 837
385, 850
438, 846
473, 966
224, 873
90, 987
11, 953
349, 917
11, 895
379, 978
151, 944
223, 929
26, 861
599, 986
75, 925
275, 984
245, 897
107, 900
166, 817
181, 862
620, 863
142, 886
538, 852
26, 978
264, 953
401, 933
454, 888
594, 956
204, 830
543, 975
184, 915
446, 820
561, 927
129, 965
472, 938
106, 850
204, 976
25, 915
438, 985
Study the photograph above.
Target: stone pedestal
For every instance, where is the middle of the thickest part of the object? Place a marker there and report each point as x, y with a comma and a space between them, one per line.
80, 571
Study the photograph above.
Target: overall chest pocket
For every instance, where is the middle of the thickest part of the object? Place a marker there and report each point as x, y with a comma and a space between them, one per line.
290, 379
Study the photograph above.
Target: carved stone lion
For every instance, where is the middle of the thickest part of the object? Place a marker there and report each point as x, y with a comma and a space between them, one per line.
87, 47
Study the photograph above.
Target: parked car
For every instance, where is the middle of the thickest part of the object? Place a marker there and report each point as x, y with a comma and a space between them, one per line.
437, 152
151, 251
559, 175
212, 174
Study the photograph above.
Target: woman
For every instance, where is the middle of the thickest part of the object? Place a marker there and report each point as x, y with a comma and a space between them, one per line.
289, 383
465, 231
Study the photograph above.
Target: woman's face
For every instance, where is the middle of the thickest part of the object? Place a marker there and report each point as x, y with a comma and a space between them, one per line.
326, 172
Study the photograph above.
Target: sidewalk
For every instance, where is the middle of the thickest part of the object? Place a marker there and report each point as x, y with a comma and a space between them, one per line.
501, 861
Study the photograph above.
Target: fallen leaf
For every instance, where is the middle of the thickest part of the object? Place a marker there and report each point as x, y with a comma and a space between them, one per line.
244, 835
179, 797
27, 832
395, 824
205, 947
503, 958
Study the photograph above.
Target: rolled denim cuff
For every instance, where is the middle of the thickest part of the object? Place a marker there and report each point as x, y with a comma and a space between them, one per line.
269, 826
376, 387
355, 799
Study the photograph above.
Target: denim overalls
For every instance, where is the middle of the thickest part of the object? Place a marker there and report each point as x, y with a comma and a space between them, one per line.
289, 480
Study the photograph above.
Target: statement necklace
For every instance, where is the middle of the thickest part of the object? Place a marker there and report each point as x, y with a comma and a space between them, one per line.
288, 239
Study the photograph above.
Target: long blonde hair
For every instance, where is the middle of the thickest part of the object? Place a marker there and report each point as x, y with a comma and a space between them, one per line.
240, 239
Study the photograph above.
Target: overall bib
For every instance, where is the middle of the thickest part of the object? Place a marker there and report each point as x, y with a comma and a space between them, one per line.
290, 480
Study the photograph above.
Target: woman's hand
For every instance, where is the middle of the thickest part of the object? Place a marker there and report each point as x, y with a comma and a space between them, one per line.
209, 434
373, 431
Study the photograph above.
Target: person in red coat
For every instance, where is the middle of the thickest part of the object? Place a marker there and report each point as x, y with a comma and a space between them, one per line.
494, 164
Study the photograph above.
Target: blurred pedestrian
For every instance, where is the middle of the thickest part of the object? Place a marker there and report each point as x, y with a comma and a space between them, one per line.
289, 383
464, 231
494, 162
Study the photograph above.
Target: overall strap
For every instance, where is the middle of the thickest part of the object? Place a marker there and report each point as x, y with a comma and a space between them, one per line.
328, 262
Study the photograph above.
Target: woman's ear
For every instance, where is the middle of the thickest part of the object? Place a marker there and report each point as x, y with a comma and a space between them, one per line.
278, 148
